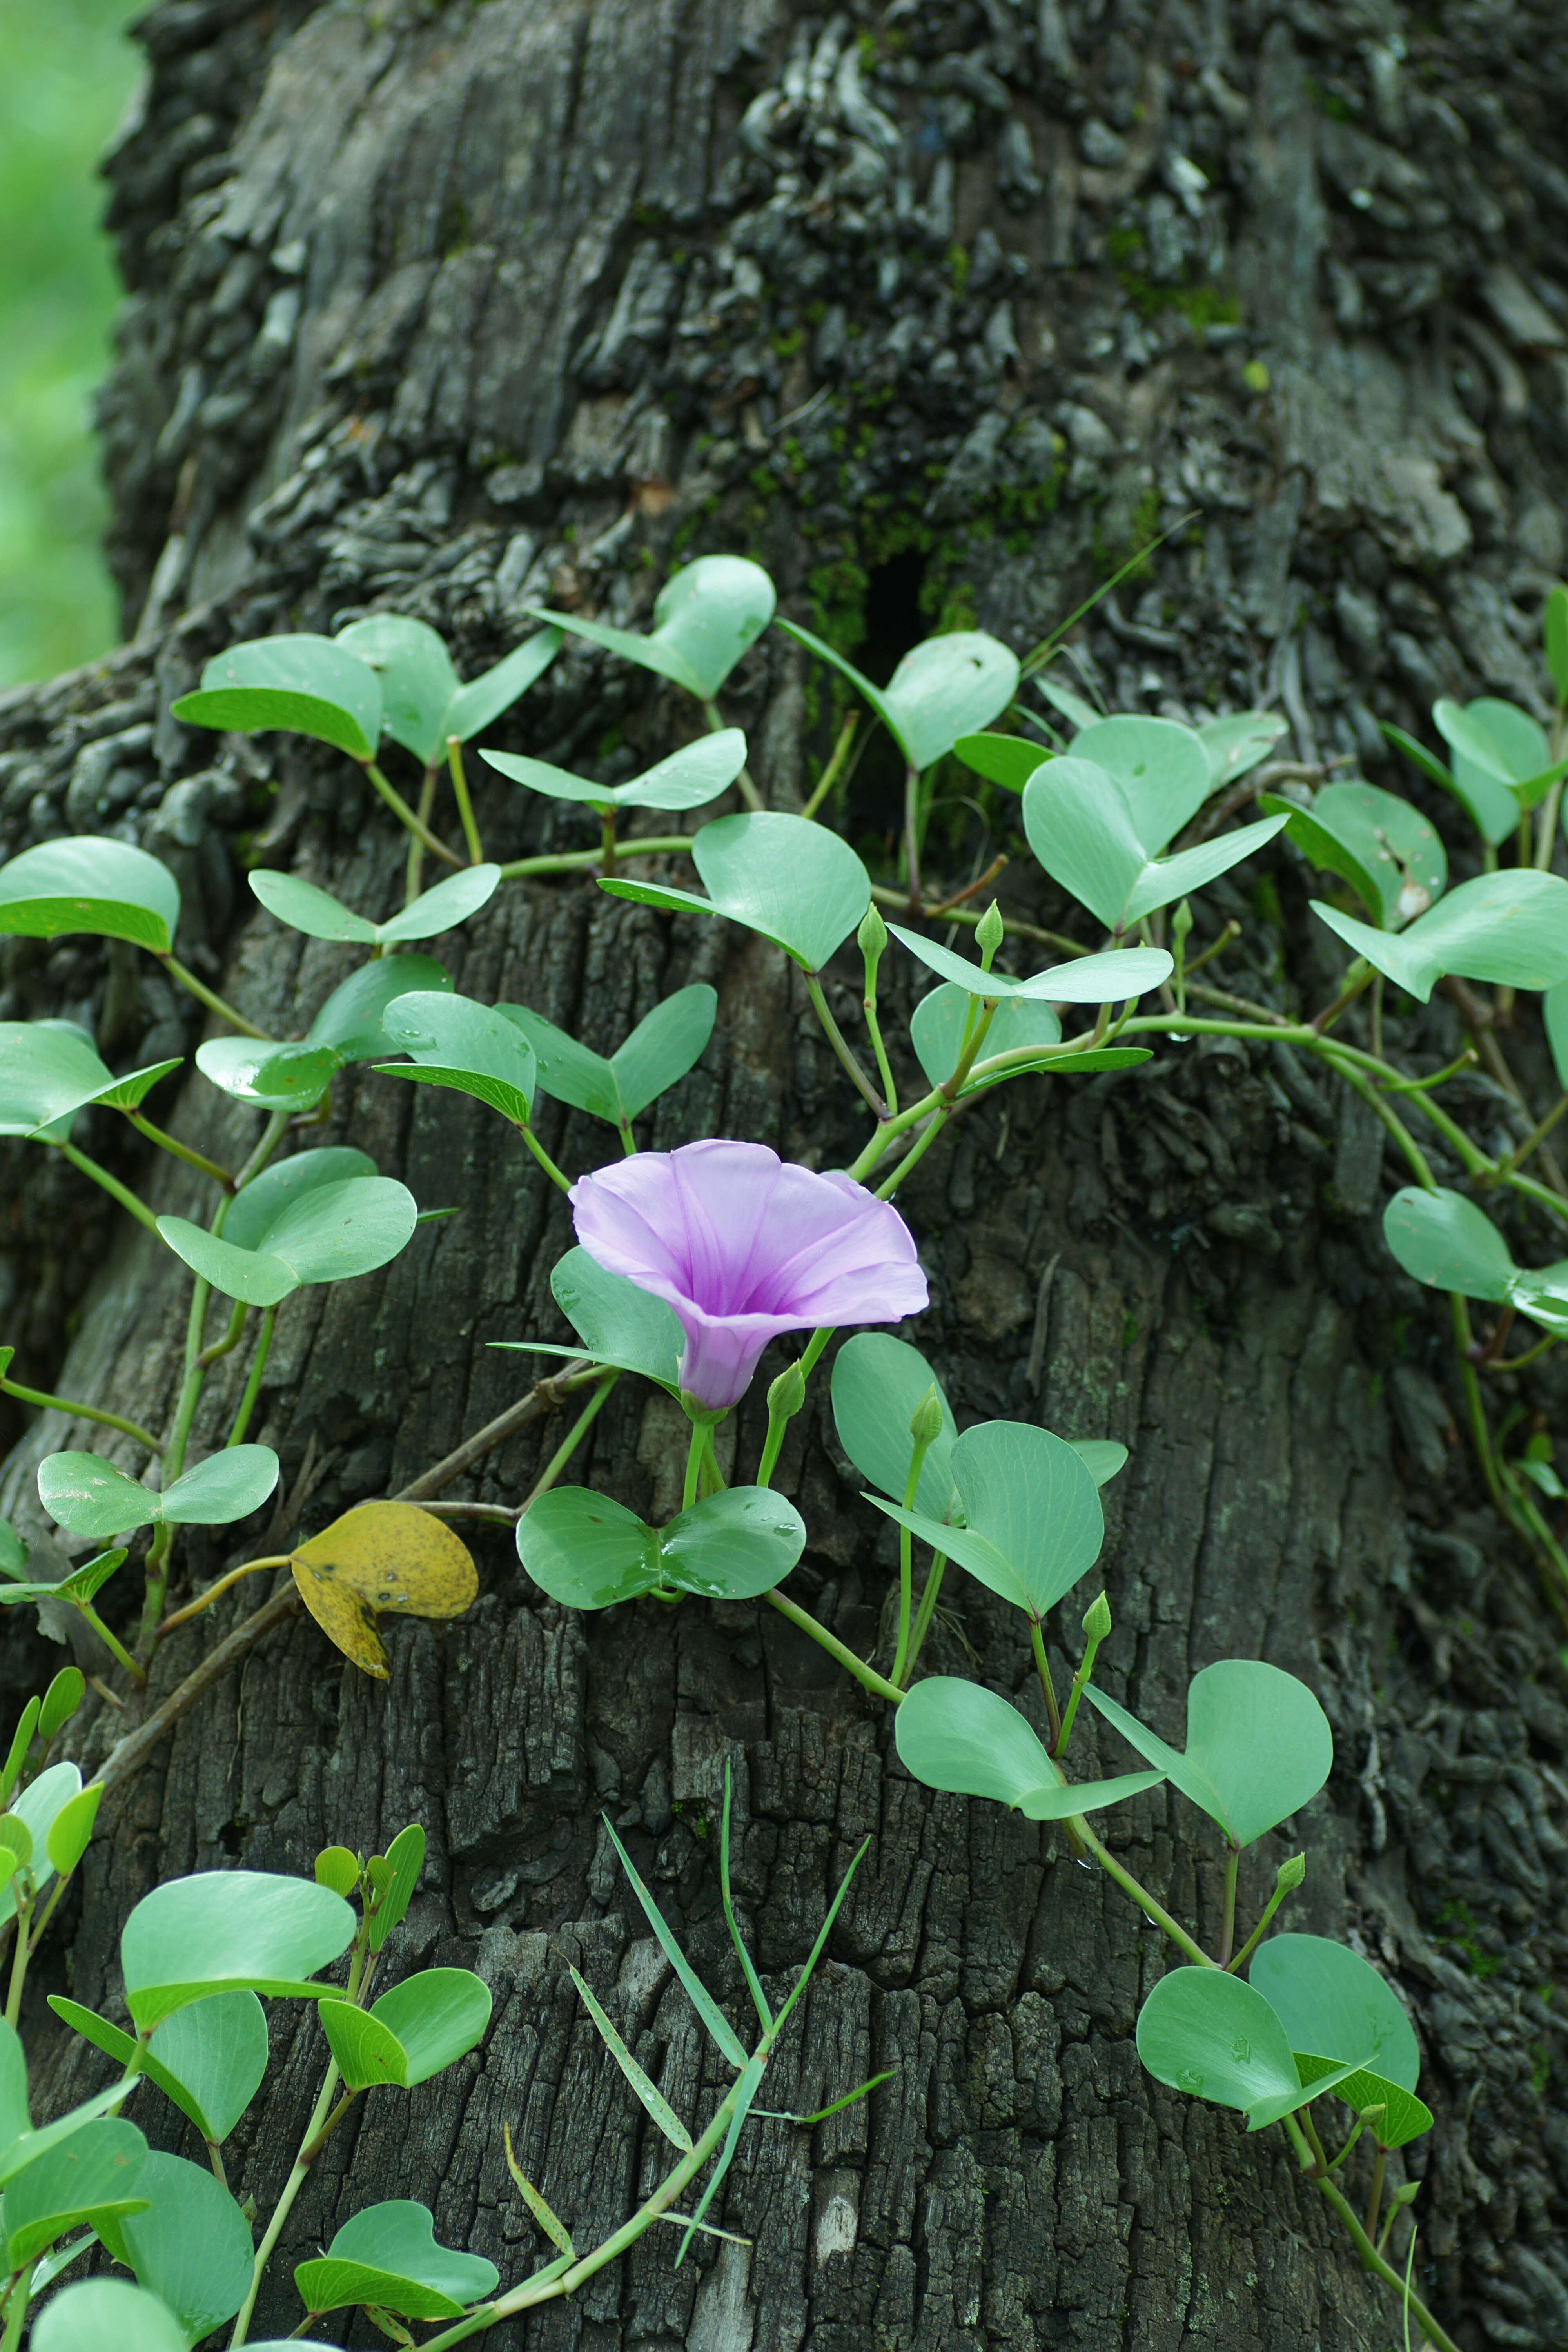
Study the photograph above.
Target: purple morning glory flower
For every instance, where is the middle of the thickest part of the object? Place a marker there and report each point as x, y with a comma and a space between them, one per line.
742, 1245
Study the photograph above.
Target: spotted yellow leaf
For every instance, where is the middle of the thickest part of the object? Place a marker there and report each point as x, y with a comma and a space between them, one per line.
382, 1556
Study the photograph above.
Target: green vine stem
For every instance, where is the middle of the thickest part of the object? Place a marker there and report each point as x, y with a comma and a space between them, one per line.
835, 767
842, 1047
405, 816
925, 1612
465, 805
564, 1183
171, 1144
868, 1676
747, 789
48, 1404
253, 1383
110, 1184
584, 861
1371, 2260
204, 995
414, 869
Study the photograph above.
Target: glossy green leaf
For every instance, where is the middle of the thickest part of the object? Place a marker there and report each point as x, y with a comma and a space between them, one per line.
652, 2098
21, 1739
350, 1027
253, 1213
1493, 742
71, 1831
302, 685
1005, 760
688, 778
1405, 2116
1164, 770
93, 1497
98, 2313
225, 1486
617, 1323
659, 1051
1380, 844
1510, 927
797, 884
191, 2246
38, 1807
224, 1931
15, 2121
877, 1381
955, 1734
1443, 1239
50, 1071
273, 1076
320, 916
947, 686
421, 2026
1110, 979
1069, 706
1103, 1458
388, 2256
1335, 2005
1081, 826
707, 616
1205, 2032
1237, 743
366, 2052
91, 884
454, 1042
352, 1020
1555, 639
1258, 1745
64, 1695
1554, 1011
329, 1233
936, 1032
404, 1859
1032, 1520
13, 1551
734, 1545
418, 679
92, 2176
209, 2058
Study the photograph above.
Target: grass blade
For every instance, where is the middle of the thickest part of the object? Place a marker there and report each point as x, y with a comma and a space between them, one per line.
745, 2092
702, 2000
827, 1930
654, 2100
759, 1997
555, 2229
779, 2116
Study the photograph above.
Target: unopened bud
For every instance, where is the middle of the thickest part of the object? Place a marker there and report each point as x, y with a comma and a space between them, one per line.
1405, 2194
1097, 1618
1181, 922
925, 1422
1290, 1873
872, 935
787, 1393
989, 930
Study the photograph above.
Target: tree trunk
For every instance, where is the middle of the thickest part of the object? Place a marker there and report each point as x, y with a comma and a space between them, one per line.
938, 309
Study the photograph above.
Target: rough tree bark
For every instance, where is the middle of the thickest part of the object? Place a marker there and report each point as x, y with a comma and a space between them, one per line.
937, 308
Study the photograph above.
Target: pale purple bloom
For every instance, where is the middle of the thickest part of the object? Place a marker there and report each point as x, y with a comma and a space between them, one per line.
744, 1245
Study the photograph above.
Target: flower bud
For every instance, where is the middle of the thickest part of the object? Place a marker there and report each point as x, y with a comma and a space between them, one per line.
988, 932
787, 1393
1181, 923
925, 1422
1097, 1618
1290, 1873
872, 935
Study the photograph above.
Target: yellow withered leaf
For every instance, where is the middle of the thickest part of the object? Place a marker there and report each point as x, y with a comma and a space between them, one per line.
382, 1556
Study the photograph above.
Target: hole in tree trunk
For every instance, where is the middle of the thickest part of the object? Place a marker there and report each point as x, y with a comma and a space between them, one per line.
895, 624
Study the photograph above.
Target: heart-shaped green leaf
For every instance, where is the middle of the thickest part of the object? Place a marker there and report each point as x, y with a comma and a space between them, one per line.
1404, 2117
259, 1207
1205, 2032
64, 1695
659, 1051
1006, 759
405, 1859
91, 2176
71, 1831
1258, 1745
1510, 927
91, 884
209, 2058
301, 685
348, 1028
955, 1734
38, 1808
422, 2025
948, 687
1493, 742
1113, 978
617, 1323
320, 916
48, 1071
453, 1042
190, 2245
1032, 1521
877, 1381
936, 1032
686, 779
589, 1552
1377, 843
1237, 743
496, 689
1080, 826
1334, 2004
418, 679
1443, 1239
707, 616
110, 2311
274, 1078
353, 1019
329, 1233
1164, 770
797, 884
226, 1931
388, 2256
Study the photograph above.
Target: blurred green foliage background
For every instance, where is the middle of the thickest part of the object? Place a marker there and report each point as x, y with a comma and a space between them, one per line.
67, 72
